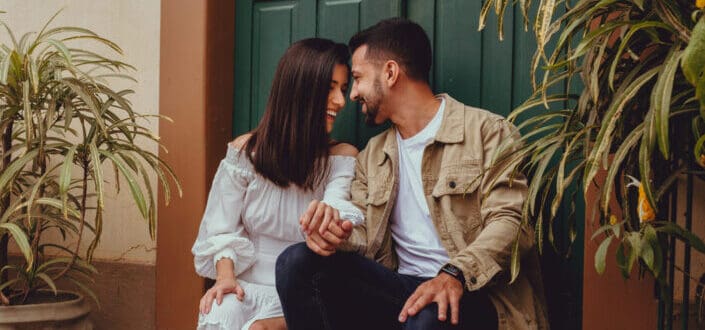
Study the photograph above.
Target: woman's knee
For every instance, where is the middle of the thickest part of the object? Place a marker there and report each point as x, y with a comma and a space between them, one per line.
277, 323
230, 312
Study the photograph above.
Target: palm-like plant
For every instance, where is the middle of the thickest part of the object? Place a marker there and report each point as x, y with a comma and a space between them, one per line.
60, 122
640, 114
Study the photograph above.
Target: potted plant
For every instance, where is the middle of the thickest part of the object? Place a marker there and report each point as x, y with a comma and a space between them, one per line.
65, 134
620, 90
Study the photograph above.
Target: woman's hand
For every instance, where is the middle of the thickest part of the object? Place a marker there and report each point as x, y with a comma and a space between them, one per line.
220, 289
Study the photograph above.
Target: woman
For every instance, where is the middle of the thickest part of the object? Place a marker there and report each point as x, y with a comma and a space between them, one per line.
265, 183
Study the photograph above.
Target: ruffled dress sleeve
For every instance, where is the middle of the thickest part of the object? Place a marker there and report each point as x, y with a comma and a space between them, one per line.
222, 233
337, 191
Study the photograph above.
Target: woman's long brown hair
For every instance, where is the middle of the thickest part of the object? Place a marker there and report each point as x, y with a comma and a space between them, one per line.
290, 144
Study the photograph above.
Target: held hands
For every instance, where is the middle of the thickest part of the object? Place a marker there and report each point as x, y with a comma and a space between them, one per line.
221, 288
324, 229
444, 290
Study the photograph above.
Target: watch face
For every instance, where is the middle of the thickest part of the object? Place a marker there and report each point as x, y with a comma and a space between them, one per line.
455, 271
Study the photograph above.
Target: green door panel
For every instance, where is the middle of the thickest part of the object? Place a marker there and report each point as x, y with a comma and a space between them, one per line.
458, 52
497, 70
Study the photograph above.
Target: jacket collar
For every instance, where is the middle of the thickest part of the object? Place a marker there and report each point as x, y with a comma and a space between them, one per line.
390, 145
451, 130
453, 124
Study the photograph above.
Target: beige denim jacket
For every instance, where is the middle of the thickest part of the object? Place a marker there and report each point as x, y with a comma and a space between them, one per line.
477, 222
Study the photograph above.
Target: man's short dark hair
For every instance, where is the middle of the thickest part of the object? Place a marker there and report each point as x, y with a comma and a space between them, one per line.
397, 39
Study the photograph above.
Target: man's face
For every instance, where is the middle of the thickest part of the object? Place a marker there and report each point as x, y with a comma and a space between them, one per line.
367, 87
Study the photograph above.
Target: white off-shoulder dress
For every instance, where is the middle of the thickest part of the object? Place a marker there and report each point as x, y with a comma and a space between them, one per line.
251, 220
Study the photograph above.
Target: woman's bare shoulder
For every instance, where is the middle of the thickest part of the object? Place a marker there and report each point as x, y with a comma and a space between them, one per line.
240, 141
343, 149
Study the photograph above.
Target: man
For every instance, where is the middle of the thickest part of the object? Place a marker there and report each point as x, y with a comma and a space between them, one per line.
435, 249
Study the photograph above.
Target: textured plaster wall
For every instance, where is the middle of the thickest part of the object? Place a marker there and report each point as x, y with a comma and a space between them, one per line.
135, 26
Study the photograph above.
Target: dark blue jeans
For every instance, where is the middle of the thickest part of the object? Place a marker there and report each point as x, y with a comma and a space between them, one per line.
349, 291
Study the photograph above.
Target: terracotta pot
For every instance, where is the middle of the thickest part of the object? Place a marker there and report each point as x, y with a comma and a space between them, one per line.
65, 315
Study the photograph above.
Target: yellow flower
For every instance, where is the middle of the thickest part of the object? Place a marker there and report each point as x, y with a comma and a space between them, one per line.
700, 4
644, 209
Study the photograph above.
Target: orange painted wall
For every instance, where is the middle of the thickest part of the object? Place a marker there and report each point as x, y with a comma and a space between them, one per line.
609, 301
196, 83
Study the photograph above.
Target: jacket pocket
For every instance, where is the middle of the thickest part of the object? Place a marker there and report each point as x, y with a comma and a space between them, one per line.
456, 200
457, 179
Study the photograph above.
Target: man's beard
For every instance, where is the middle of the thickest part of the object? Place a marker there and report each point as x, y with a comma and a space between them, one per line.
373, 107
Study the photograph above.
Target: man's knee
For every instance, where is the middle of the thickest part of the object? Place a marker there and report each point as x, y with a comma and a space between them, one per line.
295, 258
427, 318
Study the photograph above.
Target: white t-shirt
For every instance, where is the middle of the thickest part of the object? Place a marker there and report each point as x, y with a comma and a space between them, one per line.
417, 243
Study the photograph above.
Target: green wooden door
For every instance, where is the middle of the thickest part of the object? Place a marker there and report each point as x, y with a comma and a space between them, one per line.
473, 67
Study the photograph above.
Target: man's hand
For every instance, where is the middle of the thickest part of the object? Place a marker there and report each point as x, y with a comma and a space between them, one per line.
327, 243
444, 290
324, 229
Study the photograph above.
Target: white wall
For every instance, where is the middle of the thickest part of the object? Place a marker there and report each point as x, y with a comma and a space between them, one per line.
135, 26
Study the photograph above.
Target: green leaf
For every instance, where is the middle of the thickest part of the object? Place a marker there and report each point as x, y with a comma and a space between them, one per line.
135, 189
86, 96
699, 148
48, 281
604, 137
57, 204
693, 63
21, 240
5, 68
543, 23
661, 99
483, 14
601, 255
63, 50
700, 94
97, 173
674, 229
15, 166
515, 264
604, 229
65, 178
635, 242
588, 42
8, 283
647, 254
85, 289
651, 239
51, 19
622, 260
629, 143
645, 152
34, 75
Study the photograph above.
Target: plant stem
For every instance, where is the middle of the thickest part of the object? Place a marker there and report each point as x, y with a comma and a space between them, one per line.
84, 194
5, 203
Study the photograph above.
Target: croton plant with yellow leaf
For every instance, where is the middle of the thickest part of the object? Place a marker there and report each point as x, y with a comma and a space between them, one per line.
619, 89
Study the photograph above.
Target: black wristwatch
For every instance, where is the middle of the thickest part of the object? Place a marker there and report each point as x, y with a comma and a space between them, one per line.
454, 271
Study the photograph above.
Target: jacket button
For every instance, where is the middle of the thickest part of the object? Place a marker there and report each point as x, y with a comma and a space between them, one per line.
451, 184
473, 280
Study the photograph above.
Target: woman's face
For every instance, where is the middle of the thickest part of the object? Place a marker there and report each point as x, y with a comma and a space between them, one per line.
336, 96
